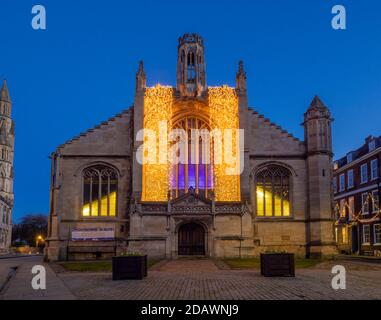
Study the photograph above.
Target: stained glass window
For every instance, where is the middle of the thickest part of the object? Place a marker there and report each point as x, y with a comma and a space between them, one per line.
196, 172
100, 184
273, 192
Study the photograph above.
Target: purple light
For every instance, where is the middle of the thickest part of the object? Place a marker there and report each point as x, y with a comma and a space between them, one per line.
201, 176
192, 176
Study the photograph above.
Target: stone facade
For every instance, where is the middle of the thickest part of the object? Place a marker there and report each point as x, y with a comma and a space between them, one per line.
294, 215
6, 169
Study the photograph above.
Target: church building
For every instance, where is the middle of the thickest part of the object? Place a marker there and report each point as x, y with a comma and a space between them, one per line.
7, 136
192, 170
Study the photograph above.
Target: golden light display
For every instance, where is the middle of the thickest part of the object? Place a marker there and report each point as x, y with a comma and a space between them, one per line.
158, 103
223, 104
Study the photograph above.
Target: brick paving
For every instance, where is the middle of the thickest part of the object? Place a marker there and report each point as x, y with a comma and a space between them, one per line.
202, 280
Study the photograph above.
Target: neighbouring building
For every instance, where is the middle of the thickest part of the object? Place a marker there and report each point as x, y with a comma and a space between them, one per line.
104, 201
7, 137
357, 184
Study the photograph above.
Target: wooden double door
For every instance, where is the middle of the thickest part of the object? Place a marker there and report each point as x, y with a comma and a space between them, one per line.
191, 240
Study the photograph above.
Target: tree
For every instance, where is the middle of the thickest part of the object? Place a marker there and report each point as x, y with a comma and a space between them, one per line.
30, 227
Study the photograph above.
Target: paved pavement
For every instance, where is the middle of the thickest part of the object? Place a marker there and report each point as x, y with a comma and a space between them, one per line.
19, 286
199, 280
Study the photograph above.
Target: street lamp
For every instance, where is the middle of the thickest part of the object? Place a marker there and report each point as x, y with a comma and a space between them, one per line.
39, 238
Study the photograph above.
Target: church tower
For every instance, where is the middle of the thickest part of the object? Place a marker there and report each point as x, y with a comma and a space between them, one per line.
191, 77
6, 166
318, 137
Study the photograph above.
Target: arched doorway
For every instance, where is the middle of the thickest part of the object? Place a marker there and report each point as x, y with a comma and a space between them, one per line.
191, 240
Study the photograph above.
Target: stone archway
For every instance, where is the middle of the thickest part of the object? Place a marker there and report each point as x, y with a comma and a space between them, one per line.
191, 240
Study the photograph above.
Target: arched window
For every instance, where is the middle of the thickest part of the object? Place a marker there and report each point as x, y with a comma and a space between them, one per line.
191, 67
273, 192
100, 185
194, 169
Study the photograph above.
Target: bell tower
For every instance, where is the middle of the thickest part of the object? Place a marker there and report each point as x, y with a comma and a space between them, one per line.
191, 78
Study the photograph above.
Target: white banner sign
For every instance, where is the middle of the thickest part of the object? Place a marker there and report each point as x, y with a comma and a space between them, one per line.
93, 234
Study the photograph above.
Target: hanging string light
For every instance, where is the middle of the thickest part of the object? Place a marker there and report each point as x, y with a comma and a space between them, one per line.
356, 218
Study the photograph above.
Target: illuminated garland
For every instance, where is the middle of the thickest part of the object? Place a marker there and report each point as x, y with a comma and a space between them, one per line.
356, 217
157, 108
223, 104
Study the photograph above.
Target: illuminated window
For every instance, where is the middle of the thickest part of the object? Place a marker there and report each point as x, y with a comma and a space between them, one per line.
343, 213
99, 192
351, 208
273, 192
365, 197
194, 169
375, 201
344, 235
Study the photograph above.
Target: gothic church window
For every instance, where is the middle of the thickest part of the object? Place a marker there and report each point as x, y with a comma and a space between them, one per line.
273, 192
194, 169
100, 185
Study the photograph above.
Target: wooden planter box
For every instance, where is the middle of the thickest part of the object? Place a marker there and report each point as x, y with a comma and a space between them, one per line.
278, 265
129, 267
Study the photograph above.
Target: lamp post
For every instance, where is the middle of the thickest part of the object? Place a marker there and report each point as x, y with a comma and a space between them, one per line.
38, 239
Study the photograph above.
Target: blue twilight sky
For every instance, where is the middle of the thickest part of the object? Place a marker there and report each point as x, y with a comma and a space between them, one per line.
81, 70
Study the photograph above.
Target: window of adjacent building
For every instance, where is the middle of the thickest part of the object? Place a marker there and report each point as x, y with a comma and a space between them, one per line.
375, 201
337, 234
351, 207
342, 208
350, 179
372, 145
334, 185
344, 235
366, 234
364, 173
365, 203
349, 157
374, 169
273, 192
100, 185
337, 210
342, 182
377, 234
